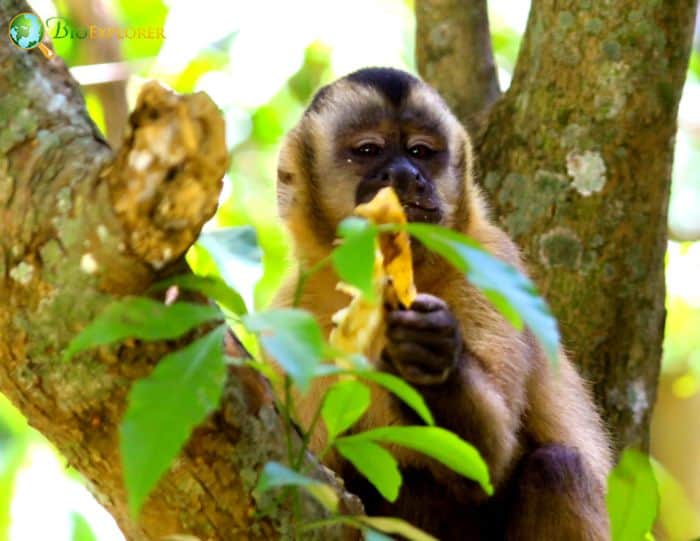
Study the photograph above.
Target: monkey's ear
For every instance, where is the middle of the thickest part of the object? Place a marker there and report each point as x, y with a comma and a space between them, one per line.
287, 175
289, 151
284, 177
285, 192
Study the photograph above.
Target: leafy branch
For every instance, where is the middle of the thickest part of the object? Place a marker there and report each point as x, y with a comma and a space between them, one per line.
186, 385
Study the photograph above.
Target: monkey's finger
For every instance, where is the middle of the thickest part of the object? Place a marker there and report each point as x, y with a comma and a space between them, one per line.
425, 302
436, 342
414, 358
441, 321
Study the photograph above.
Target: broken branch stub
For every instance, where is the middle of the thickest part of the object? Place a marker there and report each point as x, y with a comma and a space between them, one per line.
166, 178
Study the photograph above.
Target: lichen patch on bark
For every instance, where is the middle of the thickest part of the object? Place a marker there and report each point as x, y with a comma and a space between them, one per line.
22, 273
587, 169
88, 264
560, 247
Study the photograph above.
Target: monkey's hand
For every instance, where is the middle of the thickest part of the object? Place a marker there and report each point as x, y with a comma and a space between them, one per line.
424, 342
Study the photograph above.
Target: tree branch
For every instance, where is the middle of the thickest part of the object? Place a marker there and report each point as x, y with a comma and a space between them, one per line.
112, 95
453, 46
81, 226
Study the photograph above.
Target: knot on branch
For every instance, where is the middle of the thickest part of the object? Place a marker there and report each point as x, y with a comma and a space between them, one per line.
166, 177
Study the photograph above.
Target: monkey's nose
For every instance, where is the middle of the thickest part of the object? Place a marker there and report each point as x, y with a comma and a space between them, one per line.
404, 177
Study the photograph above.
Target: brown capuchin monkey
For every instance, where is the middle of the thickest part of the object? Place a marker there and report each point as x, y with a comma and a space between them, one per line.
534, 424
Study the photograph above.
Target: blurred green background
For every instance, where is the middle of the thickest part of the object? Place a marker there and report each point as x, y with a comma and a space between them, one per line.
261, 61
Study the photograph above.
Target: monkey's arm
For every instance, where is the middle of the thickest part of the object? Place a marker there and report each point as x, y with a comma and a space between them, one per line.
547, 460
481, 402
558, 489
470, 404
555, 496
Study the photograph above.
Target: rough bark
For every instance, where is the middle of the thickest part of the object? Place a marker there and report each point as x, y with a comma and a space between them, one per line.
80, 226
576, 158
454, 54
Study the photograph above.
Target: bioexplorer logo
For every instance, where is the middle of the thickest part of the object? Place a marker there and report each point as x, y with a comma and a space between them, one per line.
61, 28
26, 32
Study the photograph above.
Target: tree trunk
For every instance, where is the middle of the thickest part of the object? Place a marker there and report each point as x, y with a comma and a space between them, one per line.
80, 226
576, 159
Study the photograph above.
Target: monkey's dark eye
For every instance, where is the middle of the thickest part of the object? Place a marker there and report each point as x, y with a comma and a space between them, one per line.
421, 151
367, 150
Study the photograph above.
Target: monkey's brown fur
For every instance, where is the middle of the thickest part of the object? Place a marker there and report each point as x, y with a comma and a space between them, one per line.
535, 426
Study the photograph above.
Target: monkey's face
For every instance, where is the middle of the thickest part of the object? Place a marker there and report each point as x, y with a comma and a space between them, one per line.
371, 129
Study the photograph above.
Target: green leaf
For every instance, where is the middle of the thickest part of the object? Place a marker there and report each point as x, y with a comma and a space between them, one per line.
353, 260
355, 360
345, 402
677, 515
142, 318
164, 408
694, 65
275, 475
211, 286
632, 497
293, 338
240, 242
81, 528
237, 255
511, 292
436, 442
15, 437
248, 340
401, 389
373, 535
396, 526
375, 463
392, 383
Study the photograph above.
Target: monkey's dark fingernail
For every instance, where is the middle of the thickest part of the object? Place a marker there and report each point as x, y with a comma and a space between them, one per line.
428, 303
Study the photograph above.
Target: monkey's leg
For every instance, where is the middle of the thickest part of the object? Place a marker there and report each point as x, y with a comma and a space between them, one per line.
555, 498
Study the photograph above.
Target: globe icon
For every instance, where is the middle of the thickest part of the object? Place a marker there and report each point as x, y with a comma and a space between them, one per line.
26, 30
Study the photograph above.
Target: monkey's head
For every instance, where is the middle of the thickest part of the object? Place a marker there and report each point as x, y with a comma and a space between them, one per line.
373, 128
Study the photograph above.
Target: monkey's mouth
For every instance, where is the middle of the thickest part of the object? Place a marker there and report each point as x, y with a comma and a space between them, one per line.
423, 211
427, 206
